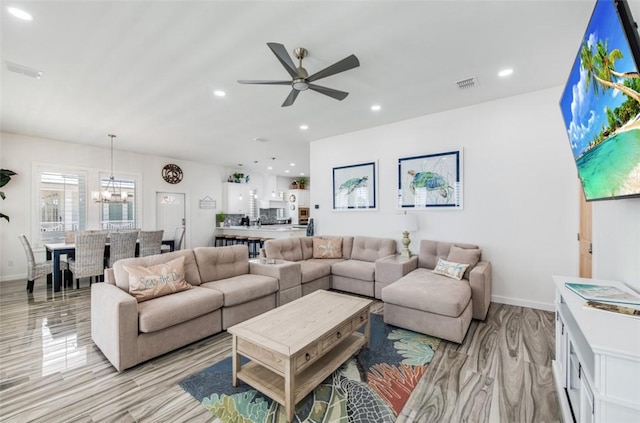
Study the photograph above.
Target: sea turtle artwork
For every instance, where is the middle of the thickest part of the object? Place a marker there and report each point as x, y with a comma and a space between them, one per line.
353, 183
431, 181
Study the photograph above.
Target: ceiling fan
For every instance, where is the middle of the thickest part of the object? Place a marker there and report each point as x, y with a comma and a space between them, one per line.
301, 81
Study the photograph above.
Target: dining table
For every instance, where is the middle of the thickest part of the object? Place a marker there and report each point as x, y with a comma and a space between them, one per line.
55, 250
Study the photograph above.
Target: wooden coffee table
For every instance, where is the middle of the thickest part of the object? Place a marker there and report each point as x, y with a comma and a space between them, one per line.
295, 347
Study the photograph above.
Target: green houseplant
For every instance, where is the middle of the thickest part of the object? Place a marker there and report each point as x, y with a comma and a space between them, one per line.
220, 217
5, 177
302, 182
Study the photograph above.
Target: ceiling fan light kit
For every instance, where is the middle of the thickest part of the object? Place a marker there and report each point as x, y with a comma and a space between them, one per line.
301, 81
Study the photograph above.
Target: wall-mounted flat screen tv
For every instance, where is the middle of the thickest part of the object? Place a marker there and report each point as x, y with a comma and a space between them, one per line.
601, 104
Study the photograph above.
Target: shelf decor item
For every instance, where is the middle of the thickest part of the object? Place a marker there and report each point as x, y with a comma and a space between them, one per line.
603, 293
430, 181
354, 187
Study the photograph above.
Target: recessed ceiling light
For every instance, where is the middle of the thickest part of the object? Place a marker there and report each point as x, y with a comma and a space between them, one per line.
219, 93
286, 171
20, 14
505, 72
292, 164
302, 174
376, 107
270, 168
260, 139
304, 127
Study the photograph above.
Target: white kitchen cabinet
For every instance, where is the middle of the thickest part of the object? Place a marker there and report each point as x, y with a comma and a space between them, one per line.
236, 197
597, 365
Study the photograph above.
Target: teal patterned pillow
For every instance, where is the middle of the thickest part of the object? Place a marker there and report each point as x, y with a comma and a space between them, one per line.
450, 269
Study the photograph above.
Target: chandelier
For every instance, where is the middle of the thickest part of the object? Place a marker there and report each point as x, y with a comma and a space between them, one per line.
112, 192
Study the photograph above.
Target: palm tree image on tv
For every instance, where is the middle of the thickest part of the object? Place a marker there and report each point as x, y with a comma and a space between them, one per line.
601, 107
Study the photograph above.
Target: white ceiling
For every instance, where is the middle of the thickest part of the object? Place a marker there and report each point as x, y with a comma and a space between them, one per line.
145, 70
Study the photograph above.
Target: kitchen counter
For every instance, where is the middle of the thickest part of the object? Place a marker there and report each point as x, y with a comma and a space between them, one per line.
265, 231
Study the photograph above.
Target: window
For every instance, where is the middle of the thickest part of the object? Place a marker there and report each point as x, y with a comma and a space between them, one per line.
116, 216
62, 198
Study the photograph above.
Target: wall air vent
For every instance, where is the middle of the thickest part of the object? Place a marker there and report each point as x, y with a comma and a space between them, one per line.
24, 70
467, 83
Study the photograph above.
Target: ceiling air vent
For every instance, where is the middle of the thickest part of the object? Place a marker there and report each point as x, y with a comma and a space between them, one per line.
24, 70
467, 83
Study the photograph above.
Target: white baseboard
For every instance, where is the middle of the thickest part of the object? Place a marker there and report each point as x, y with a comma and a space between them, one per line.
523, 303
4, 278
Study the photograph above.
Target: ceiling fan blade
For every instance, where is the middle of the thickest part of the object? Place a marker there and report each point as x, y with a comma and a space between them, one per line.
248, 81
290, 98
341, 66
338, 95
284, 58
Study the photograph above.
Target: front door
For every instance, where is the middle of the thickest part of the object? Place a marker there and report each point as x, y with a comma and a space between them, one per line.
170, 213
585, 237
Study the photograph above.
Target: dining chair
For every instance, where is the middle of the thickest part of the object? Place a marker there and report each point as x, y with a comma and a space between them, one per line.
122, 244
88, 260
178, 237
35, 269
150, 242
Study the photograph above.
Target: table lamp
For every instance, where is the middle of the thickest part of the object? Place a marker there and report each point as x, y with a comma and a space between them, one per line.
409, 223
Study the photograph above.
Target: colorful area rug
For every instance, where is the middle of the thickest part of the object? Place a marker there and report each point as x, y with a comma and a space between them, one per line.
373, 386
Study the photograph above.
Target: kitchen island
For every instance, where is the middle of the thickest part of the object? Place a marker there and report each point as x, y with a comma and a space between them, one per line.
264, 231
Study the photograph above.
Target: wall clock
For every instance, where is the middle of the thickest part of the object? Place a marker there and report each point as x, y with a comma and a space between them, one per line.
292, 198
172, 173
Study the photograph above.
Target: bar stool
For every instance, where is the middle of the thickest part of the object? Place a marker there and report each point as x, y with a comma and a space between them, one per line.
254, 245
242, 240
229, 240
219, 240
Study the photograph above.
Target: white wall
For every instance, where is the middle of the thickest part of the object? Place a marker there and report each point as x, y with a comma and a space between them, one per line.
18, 152
520, 188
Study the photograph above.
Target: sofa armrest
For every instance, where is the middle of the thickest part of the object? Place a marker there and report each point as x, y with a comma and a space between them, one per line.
288, 273
480, 281
114, 324
109, 276
390, 269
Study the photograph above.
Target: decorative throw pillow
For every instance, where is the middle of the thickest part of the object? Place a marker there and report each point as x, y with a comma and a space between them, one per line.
327, 248
450, 269
146, 283
470, 256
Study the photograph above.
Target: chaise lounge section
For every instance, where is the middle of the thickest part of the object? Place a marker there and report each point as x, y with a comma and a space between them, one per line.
438, 305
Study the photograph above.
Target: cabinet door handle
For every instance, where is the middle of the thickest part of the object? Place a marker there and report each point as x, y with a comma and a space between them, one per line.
307, 356
339, 335
579, 371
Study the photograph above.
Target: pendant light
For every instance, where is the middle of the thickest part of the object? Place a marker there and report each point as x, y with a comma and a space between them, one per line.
112, 192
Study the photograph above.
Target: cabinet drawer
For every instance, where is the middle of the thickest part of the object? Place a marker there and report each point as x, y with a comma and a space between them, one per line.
306, 357
360, 320
336, 336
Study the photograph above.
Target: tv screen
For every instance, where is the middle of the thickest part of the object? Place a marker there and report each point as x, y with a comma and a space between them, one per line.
601, 104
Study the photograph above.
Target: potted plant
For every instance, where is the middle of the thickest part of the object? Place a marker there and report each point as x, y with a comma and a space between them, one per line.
238, 177
220, 217
5, 177
302, 182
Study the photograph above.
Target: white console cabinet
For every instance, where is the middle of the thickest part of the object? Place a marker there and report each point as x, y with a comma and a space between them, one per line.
597, 365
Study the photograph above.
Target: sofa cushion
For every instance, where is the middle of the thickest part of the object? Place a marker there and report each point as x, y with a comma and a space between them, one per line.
217, 263
450, 269
306, 243
355, 269
430, 251
146, 283
163, 312
470, 256
327, 248
371, 249
423, 290
313, 269
242, 289
284, 249
191, 273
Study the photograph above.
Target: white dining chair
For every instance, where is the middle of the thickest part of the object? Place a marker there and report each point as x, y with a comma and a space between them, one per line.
150, 242
122, 244
35, 269
88, 260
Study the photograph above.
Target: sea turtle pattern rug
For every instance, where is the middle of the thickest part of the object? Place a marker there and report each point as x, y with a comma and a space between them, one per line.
372, 386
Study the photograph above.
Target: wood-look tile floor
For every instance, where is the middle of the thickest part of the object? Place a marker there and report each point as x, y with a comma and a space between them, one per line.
50, 370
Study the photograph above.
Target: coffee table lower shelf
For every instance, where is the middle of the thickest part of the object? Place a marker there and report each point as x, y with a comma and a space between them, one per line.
273, 384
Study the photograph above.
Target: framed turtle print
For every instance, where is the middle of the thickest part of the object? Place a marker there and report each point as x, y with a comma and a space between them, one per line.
431, 181
354, 187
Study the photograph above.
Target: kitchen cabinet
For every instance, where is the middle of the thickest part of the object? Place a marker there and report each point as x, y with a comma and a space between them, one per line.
236, 197
597, 359
298, 198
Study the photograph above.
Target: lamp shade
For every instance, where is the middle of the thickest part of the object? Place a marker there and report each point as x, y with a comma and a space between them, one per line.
408, 222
